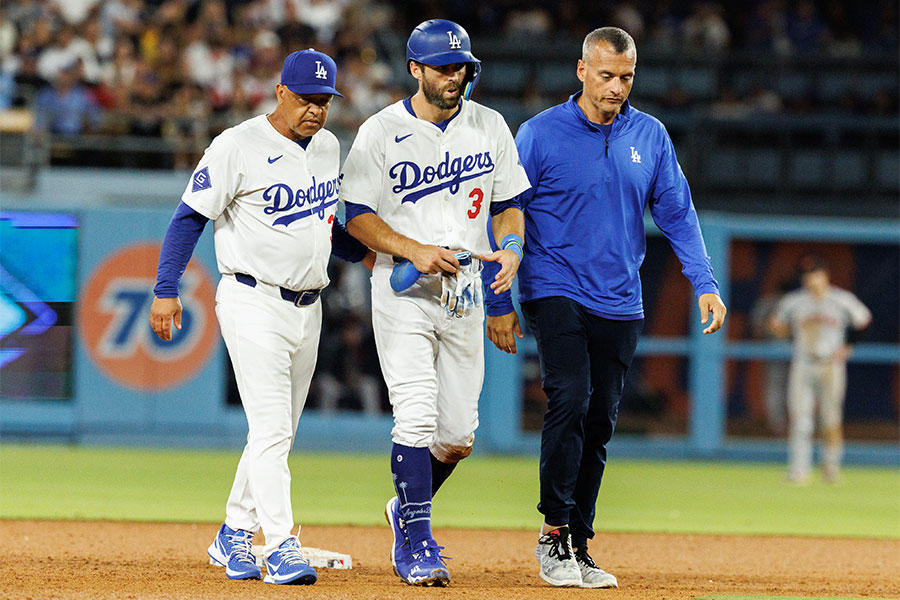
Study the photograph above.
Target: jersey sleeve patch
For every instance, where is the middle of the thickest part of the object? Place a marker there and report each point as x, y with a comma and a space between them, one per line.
201, 180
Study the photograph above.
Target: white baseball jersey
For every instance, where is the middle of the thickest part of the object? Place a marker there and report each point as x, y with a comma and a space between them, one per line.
819, 325
434, 186
272, 203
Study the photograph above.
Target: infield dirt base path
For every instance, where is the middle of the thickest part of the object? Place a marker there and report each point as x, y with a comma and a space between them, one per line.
44, 560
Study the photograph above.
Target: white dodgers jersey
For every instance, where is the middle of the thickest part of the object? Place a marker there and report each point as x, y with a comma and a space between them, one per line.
272, 203
819, 325
434, 186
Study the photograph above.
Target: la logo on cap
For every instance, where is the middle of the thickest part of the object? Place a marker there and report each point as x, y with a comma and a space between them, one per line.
321, 73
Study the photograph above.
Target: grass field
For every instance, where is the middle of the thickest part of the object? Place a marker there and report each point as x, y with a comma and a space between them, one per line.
65, 482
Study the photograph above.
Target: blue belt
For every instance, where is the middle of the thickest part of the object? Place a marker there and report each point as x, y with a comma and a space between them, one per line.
301, 298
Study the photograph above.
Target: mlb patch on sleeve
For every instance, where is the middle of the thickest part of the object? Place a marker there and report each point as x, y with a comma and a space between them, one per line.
201, 180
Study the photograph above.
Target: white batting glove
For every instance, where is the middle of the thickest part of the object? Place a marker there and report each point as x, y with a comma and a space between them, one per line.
462, 291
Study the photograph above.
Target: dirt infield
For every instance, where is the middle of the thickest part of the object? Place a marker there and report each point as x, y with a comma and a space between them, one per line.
101, 560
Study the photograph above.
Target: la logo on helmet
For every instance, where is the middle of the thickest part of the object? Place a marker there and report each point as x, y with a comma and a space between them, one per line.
454, 41
321, 73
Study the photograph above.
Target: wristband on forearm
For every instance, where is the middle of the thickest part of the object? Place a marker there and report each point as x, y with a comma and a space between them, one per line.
513, 242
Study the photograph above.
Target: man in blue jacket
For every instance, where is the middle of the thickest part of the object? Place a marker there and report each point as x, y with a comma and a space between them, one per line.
595, 164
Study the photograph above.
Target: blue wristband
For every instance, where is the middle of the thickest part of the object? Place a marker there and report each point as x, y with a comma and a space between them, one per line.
513, 242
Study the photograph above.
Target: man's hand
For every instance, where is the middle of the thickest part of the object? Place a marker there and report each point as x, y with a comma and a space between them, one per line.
162, 313
504, 330
433, 259
369, 260
711, 303
509, 264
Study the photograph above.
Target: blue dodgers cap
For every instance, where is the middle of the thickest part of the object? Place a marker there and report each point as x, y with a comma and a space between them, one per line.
310, 72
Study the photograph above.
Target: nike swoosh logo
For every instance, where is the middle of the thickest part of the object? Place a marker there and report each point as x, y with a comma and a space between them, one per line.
271, 160
399, 139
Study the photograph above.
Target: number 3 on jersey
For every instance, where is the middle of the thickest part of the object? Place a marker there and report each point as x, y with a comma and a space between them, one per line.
478, 198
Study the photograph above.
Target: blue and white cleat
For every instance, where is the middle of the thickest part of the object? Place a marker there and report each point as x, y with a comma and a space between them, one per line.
428, 568
401, 556
287, 565
233, 549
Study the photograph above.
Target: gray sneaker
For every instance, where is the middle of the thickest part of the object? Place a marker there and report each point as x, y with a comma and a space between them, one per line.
558, 565
593, 576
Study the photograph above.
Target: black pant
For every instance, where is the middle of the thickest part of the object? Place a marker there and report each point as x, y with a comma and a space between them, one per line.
584, 359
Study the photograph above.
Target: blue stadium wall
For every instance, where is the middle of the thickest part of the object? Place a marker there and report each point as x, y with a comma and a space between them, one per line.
79, 363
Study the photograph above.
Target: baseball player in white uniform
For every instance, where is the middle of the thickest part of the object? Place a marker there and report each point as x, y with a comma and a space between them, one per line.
817, 316
270, 186
419, 183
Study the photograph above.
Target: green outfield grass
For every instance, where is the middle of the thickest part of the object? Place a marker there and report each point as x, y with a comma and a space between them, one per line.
65, 482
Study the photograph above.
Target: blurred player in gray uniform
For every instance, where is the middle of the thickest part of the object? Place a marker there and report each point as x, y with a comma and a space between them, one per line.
817, 317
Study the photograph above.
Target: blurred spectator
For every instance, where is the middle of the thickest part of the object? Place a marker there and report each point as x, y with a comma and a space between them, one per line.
186, 125
533, 20
844, 41
323, 16
366, 91
729, 105
627, 16
767, 28
146, 108
763, 100
118, 75
807, 31
122, 17
210, 64
102, 46
74, 11
26, 81
8, 35
66, 49
664, 30
705, 29
67, 107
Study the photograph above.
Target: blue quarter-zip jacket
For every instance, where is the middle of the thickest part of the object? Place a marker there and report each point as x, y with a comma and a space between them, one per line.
584, 214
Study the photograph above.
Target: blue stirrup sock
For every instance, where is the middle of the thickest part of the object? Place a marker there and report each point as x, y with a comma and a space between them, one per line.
440, 471
411, 468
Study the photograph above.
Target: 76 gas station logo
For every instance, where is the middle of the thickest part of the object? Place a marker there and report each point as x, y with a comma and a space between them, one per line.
112, 319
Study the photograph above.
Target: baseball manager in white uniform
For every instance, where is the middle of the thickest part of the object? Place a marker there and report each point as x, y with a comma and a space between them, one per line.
270, 186
817, 316
419, 183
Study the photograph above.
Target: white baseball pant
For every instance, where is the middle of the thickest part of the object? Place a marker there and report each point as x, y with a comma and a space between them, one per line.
433, 365
808, 380
273, 347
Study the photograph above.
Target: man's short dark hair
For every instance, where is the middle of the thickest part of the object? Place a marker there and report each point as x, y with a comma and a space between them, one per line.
810, 263
617, 38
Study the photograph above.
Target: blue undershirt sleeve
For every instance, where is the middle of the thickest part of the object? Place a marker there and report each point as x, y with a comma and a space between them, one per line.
499, 207
495, 305
181, 238
352, 209
345, 246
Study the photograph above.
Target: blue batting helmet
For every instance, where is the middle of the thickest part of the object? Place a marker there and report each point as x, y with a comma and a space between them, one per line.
439, 42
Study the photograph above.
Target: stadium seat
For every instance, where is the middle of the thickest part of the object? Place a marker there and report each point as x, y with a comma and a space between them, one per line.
558, 77
504, 77
807, 168
698, 82
849, 169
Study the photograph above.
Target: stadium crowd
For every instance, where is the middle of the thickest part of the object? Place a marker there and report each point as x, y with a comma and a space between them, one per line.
186, 69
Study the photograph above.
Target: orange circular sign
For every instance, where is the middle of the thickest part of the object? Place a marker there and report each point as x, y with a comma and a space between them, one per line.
113, 313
